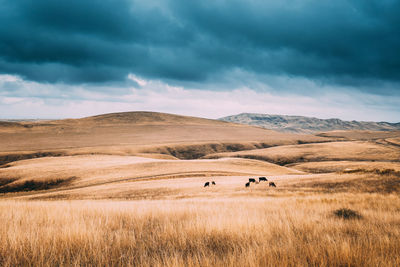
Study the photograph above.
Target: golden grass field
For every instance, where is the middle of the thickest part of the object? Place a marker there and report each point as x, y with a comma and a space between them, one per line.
127, 189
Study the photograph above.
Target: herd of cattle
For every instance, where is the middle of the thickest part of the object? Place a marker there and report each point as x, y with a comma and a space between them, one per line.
251, 180
208, 183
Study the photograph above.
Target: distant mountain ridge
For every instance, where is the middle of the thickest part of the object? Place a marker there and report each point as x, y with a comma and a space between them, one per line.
301, 124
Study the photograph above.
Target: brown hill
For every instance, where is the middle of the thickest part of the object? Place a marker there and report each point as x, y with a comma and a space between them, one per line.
137, 131
146, 118
331, 151
149, 197
128, 147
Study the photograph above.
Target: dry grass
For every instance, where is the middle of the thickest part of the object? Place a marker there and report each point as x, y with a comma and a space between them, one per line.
114, 190
341, 166
225, 225
395, 141
360, 135
135, 131
11, 185
107, 169
202, 232
332, 151
364, 182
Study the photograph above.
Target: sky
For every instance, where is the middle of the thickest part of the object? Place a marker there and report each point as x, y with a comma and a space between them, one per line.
208, 58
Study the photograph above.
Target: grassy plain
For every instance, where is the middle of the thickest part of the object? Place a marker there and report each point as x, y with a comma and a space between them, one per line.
280, 230
127, 189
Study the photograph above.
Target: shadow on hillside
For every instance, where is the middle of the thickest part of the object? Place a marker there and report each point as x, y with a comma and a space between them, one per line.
33, 185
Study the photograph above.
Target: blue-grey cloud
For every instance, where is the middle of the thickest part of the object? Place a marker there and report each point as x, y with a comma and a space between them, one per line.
347, 42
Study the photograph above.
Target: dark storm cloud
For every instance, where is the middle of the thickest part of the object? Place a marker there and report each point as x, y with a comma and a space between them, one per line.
347, 42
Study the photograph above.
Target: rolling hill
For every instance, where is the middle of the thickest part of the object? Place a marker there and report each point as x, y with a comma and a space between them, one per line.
130, 133
131, 189
137, 155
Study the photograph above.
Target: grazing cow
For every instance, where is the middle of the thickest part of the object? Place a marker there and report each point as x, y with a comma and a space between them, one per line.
207, 184
252, 180
262, 179
213, 183
272, 184
247, 184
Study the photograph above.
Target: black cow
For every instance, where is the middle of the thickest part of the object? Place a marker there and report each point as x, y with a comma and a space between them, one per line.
262, 179
247, 184
272, 184
207, 184
213, 183
252, 180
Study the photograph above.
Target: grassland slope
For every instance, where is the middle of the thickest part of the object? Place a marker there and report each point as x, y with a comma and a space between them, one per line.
134, 132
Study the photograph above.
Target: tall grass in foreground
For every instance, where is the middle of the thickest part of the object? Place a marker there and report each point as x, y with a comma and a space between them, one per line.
202, 232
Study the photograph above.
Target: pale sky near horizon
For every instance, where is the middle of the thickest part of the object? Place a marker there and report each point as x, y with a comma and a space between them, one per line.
325, 59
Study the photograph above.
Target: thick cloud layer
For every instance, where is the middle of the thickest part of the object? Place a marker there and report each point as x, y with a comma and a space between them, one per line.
20, 99
347, 42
